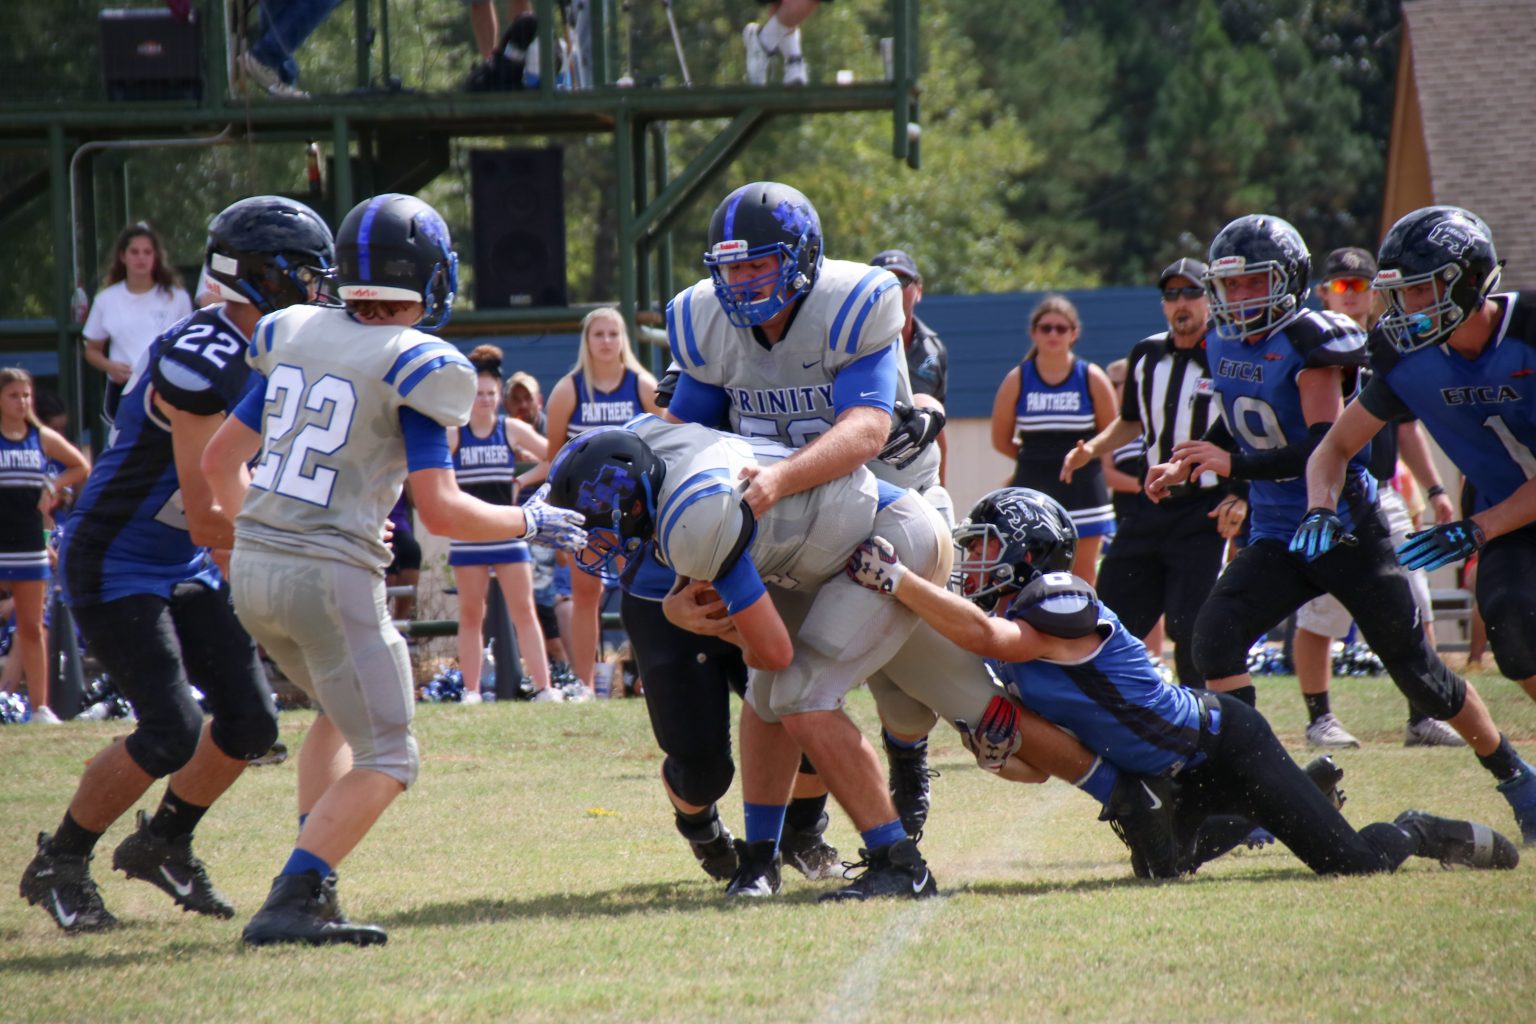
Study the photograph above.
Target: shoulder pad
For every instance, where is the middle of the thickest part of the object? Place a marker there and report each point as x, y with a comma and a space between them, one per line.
868, 313
691, 327
1058, 604
1520, 318
198, 367
1383, 356
1327, 339
433, 377
703, 527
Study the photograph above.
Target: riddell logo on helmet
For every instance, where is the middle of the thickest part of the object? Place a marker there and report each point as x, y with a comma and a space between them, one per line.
1229, 263
359, 292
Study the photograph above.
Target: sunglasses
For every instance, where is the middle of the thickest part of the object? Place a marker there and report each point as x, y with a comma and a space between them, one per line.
1193, 291
1054, 328
1340, 285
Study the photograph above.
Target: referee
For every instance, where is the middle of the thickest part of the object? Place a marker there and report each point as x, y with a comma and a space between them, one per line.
1165, 557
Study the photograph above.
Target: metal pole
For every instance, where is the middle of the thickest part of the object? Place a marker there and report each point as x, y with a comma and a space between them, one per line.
624, 164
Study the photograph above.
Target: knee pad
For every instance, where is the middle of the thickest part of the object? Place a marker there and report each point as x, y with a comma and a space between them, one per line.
402, 763
1216, 649
1423, 678
699, 781
249, 734
806, 768
1511, 616
163, 744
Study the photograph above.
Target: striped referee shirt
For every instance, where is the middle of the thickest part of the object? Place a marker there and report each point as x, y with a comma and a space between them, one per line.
1169, 392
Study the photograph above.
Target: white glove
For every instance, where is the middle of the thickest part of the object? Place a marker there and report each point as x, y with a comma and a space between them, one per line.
874, 565
553, 526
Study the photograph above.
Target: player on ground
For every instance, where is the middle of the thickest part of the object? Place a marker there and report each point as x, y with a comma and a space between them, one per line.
142, 582
356, 400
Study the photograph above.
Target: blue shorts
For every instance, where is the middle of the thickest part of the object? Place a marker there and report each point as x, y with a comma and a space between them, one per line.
24, 565
501, 552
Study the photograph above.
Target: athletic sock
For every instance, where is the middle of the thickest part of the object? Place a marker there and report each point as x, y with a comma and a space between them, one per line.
772, 34
1414, 717
175, 817
73, 839
763, 822
1317, 705
1504, 764
884, 835
789, 46
302, 860
1099, 781
698, 819
804, 812
1247, 694
916, 744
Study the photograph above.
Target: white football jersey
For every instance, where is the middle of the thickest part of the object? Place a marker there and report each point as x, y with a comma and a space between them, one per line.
701, 520
784, 392
333, 456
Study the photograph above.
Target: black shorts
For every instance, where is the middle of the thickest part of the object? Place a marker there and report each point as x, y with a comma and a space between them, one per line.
407, 552
1506, 598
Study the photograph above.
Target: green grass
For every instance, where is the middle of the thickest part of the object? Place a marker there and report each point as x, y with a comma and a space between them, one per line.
534, 874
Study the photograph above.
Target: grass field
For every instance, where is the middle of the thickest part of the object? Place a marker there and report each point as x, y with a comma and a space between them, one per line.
534, 874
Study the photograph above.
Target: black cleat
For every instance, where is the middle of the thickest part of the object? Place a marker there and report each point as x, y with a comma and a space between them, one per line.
304, 908
895, 870
62, 885
276, 754
909, 774
757, 871
1453, 842
170, 865
1326, 774
1141, 811
809, 853
712, 845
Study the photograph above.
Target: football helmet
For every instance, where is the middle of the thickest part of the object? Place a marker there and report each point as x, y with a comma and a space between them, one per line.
1034, 534
1446, 247
614, 479
396, 247
756, 221
268, 252
1257, 244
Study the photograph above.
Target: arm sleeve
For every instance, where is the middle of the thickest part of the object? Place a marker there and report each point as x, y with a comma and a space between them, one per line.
697, 402
1220, 435
1381, 401
426, 441
740, 585
869, 380
1130, 401
251, 405
1279, 463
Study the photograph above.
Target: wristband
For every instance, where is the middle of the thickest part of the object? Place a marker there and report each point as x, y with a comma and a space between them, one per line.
1434, 491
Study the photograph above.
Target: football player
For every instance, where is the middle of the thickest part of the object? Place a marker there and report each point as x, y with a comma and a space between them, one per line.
1066, 656
139, 572
781, 342
772, 585
353, 402
1459, 356
1282, 374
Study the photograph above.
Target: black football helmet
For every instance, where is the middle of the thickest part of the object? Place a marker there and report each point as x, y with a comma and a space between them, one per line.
763, 219
396, 247
1447, 248
612, 476
268, 252
1034, 534
1257, 244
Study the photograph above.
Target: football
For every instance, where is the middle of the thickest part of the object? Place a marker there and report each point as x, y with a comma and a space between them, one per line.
709, 595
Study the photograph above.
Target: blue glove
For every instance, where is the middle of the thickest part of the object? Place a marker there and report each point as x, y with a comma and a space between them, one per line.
1442, 545
1321, 530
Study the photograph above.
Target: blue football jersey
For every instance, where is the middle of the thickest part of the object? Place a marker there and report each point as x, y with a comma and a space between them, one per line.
1481, 411
128, 533
1256, 381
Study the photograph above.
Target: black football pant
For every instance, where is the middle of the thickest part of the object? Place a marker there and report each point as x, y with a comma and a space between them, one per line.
1506, 597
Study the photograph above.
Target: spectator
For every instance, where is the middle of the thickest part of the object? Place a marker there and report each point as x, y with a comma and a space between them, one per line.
285, 26
404, 569
1165, 557
504, 59
551, 569
142, 299
1048, 403
778, 36
606, 386
27, 494
483, 465
525, 401
927, 358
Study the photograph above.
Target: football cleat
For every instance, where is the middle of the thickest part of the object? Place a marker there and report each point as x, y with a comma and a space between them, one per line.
909, 774
63, 886
1453, 842
896, 870
712, 846
1431, 732
794, 70
1326, 775
757, 871
757, 57
1328, 733
1141, 811
808, 852
170, 865
304, 908
276, 754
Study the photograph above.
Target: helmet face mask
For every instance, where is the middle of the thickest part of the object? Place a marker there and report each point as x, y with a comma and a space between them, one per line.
1257, 244
614, 479
1442, 254
758, 222
1010, 536
396, 248
269, 252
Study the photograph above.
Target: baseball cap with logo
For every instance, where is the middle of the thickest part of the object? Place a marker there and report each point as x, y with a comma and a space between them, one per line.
1349, 262
898, 263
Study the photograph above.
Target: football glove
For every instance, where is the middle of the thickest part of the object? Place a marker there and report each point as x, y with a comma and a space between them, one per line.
1321, 530
874, 565
913, 429
1442, 545
551, 525
996, 735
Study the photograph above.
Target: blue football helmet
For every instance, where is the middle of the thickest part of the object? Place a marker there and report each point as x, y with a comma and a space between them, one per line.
268, 252
754, 222
614, 478
395, 247
1257, 244
1446, 247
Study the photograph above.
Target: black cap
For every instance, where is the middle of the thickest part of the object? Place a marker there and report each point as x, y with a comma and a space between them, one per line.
897, 262
1349, 262
1186, 267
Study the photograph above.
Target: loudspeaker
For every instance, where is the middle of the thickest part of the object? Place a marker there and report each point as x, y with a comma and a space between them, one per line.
519, 211
151, 55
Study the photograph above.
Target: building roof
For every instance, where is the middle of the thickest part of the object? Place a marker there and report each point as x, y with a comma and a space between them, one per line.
1474, 69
